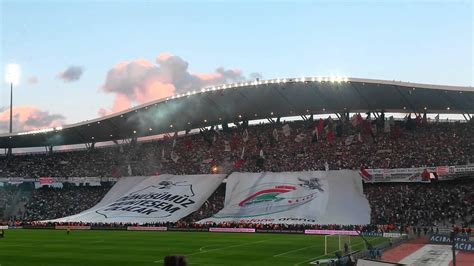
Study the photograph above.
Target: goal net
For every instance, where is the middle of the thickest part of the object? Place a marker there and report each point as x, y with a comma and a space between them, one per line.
333, 243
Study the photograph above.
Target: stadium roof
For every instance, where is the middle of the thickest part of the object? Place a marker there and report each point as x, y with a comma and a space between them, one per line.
254, 100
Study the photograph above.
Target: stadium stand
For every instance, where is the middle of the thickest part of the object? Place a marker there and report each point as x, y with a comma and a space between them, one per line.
410, 143
50, 203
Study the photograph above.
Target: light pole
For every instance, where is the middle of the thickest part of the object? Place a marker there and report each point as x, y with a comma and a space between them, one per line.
12, 76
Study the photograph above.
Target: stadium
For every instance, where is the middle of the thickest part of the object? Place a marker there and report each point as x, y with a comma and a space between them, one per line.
212, 133
249, 166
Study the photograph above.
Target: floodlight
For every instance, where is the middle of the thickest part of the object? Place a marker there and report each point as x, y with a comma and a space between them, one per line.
12, 74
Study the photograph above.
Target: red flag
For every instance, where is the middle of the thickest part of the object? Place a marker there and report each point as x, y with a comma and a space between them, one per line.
114, 172
359, 119
238, 164
189, 144
425, 176
233, 143
320, 126
367, 127
330, 135
365, 174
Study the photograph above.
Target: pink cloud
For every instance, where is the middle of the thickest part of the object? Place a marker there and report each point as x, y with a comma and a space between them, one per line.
27, 118
142, 81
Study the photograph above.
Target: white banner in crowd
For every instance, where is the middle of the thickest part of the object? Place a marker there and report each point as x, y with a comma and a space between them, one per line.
164, 198
319, 197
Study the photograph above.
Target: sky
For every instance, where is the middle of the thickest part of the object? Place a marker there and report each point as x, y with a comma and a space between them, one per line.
84, 59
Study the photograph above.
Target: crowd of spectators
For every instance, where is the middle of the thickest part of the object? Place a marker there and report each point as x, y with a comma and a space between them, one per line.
211, 206
50, 203
6, 196
279, 146
436, 204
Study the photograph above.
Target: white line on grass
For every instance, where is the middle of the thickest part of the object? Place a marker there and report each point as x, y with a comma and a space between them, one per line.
233, 246
215, 249
291, 251
202, 248
315, 258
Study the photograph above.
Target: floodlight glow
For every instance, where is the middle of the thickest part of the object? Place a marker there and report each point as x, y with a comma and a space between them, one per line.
319, 79
12, 74
346, 79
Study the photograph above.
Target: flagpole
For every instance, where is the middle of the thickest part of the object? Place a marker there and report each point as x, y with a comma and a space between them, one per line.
11, 114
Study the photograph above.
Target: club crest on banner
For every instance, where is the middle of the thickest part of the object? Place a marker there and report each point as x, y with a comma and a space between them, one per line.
274, 197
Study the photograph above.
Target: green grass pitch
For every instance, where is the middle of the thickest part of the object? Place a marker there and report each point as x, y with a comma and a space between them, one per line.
55, 247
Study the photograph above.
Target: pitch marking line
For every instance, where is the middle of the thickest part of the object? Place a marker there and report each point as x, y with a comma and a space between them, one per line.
233, 246
215, 249
203, 247
291, 251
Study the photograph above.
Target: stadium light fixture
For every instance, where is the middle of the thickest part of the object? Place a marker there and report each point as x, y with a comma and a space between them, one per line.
12, 74
134, 132
447, 108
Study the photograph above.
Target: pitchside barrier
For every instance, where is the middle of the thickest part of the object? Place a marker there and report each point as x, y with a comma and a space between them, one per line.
73, 227
147, 228
461, 242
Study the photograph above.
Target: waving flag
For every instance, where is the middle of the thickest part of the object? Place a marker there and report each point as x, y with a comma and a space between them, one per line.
365, 175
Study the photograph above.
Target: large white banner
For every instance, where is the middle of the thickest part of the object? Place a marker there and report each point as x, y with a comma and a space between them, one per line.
164, 198
319, 197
